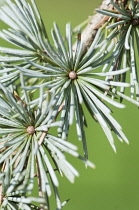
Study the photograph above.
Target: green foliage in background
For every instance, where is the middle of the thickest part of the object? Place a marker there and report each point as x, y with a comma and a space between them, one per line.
45, 84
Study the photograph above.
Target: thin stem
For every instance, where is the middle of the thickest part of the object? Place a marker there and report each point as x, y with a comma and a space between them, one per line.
1, 196
42, 138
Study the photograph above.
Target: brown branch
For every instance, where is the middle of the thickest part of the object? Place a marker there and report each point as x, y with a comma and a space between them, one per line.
42, 138
96, 21
1, 196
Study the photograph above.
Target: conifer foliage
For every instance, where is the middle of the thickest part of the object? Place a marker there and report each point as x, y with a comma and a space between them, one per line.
44, 83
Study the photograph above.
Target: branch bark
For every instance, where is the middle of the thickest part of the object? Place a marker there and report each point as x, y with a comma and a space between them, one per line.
90, 31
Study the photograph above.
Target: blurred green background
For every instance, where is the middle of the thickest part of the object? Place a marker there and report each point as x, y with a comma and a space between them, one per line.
114, 184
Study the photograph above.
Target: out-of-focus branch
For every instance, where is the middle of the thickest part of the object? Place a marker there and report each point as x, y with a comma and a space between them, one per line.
0, 194
96, 21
